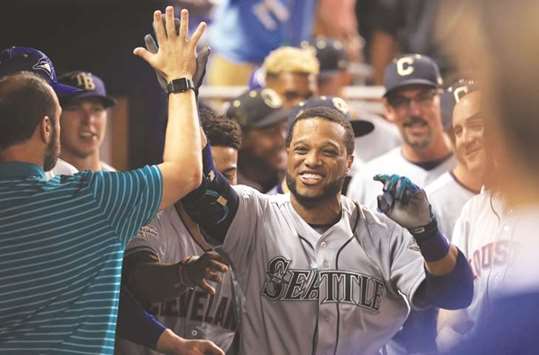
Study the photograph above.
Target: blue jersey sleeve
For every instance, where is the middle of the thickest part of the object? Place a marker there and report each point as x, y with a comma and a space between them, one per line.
128, 200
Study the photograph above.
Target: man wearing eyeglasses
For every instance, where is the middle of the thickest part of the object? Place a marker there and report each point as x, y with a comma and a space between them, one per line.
412, 104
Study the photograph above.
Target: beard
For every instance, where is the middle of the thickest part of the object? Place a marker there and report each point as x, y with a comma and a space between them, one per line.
329, 191
51, 153
413, 141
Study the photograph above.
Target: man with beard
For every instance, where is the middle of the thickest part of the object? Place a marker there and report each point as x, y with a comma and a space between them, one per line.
453, 189
321, 273
412, 103
62, 239
263, 121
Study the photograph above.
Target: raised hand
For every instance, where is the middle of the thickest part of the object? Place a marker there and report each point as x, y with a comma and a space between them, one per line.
176, 52
404, 202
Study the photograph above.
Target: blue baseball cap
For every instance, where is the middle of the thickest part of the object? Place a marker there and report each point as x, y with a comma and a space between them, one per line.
452, 95
90, 86
361, 127
411, 69
17, 59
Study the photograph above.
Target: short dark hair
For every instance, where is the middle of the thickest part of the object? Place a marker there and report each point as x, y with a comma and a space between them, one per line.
25, 99
326, 113
219, 130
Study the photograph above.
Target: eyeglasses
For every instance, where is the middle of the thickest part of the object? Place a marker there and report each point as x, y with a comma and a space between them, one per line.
422, 99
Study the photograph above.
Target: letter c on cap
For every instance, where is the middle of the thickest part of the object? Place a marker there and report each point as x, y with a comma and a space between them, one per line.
459, 92
404, 66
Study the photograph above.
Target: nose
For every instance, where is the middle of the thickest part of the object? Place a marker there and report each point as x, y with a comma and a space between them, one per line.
415, 108
312, 158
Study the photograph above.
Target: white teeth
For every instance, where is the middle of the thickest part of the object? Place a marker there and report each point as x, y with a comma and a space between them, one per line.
86, 134
311, 176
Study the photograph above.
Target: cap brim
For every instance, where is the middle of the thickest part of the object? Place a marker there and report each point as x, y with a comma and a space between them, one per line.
64, 90
410, 83
106, 100
361, 127
275, 117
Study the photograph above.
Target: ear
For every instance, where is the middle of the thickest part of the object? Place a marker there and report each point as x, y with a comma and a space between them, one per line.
46, 128
389, 112
349, 162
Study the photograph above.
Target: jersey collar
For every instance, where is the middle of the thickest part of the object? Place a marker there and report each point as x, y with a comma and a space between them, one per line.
17, 169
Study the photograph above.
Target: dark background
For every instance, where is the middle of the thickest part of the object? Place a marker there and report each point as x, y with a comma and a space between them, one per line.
97, 36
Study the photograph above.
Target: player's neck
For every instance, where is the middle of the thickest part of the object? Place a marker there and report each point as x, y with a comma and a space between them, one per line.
469, 180
91, 162
324, 212
438, 150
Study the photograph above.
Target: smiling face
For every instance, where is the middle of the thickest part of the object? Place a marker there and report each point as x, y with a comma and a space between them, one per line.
318, 160
83, 127
415, 110
468, 130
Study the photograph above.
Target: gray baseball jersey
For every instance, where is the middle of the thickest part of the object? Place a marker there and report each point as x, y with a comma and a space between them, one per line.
345, 291
365, 190
194, 314
447, 197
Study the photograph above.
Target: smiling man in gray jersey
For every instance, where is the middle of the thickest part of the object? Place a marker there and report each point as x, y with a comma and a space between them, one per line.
321, 274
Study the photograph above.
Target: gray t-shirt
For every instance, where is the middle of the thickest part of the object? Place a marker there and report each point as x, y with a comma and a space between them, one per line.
345, 291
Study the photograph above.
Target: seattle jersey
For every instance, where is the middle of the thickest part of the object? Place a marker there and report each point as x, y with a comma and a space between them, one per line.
345, 291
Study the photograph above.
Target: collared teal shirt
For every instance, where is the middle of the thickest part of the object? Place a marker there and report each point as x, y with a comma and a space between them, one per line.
61, 250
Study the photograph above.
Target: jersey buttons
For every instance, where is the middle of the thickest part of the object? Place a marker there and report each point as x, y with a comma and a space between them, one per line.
323, 244
194, 332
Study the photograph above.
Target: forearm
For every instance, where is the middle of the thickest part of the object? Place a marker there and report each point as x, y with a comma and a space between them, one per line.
214, 203
135, 324
151, 281
452, 290
182, 163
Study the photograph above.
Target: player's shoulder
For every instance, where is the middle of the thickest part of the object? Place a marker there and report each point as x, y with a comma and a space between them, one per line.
477, 204
251, 194
392, 156
441, 183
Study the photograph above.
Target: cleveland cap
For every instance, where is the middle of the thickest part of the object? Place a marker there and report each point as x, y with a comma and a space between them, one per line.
90, 85
16, 59
451, 96
257, 109
412, 69
360, 127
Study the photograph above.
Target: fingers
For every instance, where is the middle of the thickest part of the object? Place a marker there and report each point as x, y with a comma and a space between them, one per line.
213, 255
201, 28
184, 24
150, 43
381, 177
209, 348
143, 53
207, 287
169, 22
158, 27
385, 202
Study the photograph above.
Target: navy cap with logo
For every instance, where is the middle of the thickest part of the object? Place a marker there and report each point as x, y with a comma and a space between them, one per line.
257, 109
412, 69
330, 53
451, 96
90, 85
17, 59
360, 127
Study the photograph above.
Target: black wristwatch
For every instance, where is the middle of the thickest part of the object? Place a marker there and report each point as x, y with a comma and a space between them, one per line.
180, 85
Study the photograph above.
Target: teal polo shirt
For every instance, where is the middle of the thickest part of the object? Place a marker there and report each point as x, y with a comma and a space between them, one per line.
61, 248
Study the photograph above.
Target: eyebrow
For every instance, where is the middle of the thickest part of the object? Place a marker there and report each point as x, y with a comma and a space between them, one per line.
475, 116
302, 141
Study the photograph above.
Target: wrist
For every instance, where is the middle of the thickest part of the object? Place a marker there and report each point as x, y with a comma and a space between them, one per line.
169, 342
183, 274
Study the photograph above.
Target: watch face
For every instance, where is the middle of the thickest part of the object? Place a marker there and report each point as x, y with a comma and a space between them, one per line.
180, 85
